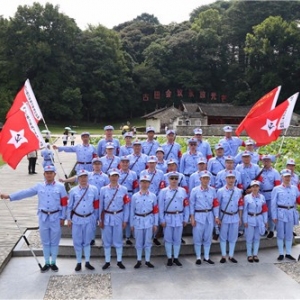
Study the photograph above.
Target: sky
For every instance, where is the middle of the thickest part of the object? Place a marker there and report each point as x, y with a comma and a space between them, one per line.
113, 12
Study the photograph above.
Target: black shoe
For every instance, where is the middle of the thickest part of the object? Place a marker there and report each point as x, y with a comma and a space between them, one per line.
266, 232
89, 266
270, 234
92, 243
106, 266
128, 242
223, 260
198, 262
280, 257
250, 259
138, 264
120, 265
34, 173
240, 234
30, 173
156, 242
255, 258
232, 259
78, 267
208, 261
170, 262
294, 233
54, 268
148, 264
215, 237
182, 241
290, 257
45, 268
177, 262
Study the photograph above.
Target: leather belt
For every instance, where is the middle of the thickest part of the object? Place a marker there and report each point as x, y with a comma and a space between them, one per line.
254, 214
84, 163
174, 212
285, 207
82, 216
187, 175
203, 210
266, 191
130, 191
229, 213
49, 212
145, 214
47, 159
113, 212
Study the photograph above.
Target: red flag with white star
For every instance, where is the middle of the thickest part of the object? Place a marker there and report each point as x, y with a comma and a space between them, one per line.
267, 127
20, 135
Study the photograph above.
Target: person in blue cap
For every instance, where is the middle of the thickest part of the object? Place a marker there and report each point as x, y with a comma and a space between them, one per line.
128, 147
174, 213
217, 163
144, 220
114, 215
82, 214
138, 160
161, 162
204, 213
284, 199
109, 160
101, 147
48, 156
85, 152
150, 145
230, 143
255, 218
52, 207
171, 148
203, 146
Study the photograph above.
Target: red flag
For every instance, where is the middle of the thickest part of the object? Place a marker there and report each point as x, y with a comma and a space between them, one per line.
263, 105
20, 135
26, 95
265, 128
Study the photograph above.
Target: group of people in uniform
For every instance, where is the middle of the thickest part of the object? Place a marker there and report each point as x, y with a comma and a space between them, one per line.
143, 188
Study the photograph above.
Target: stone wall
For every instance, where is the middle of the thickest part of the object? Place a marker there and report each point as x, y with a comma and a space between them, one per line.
217, 130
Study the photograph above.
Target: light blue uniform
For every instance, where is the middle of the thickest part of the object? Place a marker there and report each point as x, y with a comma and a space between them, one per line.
221, 178
188, 164
195, 180
157, 180
101, 147
248, 173
204, 206
205, 149
215, 165
85, 216
116, 212
109, 163
149, 147
255, 214
230, 219
283, 208
162, 165
52, 205
172, 151
48, 157
138, 163
181, 181
126, 150
143, 216
231, 145
84, 153
173, 213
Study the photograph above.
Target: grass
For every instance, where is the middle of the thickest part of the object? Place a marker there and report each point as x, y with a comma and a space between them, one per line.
58, 127
1, 161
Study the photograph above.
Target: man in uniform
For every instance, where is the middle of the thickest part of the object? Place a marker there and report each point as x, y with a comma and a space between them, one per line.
138, 160
84, 152
52, 205
173, 216
203, 146
284, 198
114, 215
48, 156
144, 220
128, 147
231, 144
101, 148
204, 212
109, 160
217, 163
291, 165
161, 162
150, 145
231, 206
82, 214
270, 179
171, 148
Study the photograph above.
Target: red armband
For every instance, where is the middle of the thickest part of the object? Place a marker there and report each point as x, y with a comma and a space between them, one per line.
179, 154
126, 199
240, 186
155, 209
208, 157
96, 204
298, 200
186, 202
135, 184
119, 166
162, 184
95, 155
243, 144
241, 202
64, 201
260, 178
277, 182
264, 208
216, 202
186, 188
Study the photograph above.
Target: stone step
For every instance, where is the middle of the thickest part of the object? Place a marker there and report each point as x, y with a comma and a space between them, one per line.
66, 247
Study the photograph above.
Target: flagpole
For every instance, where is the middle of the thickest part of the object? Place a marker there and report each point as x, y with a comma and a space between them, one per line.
282, 140
23, 236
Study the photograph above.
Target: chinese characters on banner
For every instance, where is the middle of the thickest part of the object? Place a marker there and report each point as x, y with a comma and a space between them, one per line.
180, 93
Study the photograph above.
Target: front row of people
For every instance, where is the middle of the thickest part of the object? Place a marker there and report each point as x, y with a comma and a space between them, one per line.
112, 209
